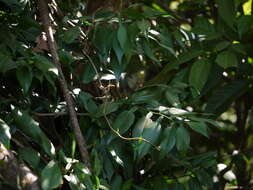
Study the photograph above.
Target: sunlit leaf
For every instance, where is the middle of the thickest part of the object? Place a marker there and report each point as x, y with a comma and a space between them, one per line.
5, 134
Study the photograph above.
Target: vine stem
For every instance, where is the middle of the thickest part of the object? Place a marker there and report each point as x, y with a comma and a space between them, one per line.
45, 20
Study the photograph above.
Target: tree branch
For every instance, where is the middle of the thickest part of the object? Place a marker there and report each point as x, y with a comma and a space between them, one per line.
16, 174
44, 17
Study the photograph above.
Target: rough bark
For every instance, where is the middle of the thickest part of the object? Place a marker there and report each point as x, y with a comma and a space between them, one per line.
15, 174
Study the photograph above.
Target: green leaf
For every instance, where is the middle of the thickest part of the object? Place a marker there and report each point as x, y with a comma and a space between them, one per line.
107, 108
88, 74
65, 57
222, 98
97, 166
116, 183
51, 176
87, 102
194, 184
151, 133
143, 25
5, 134
122, 36
43, 64
203, 27
118, 50
123, 121
71, 34
182, 139
199, 73
169, 140
226, 10
30, 156
244, 24
199, 127
31, 128
221, 45
189, 55
24, 76
227, 59
172, 97
148, 51
247, 7
141, 124
205, 178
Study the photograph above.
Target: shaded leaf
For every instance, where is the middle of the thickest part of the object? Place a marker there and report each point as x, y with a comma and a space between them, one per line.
123, 121
88, 74
226, 11
199, 127
24, 76
169, 140
31, 128
199, 73
182, 139
227, 59
71, 34
51, 176
225, 95
30, 156
122, 36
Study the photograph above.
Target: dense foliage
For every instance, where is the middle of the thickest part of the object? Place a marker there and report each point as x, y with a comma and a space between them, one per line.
162, 90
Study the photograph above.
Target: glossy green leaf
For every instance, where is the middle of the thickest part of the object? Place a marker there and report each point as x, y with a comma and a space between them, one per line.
122, 36
199, 127
151, 133
5, 134
199, 73
24, 76
51, 176
31, 128
123, 121
141, 124
227, 59
182, 139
